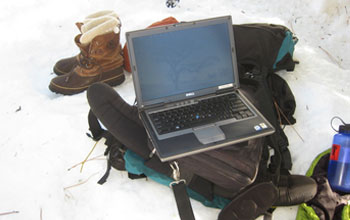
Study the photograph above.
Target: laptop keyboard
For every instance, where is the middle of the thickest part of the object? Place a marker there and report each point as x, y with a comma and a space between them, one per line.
205, 111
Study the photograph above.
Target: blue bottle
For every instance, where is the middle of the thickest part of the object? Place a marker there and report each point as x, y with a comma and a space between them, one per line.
339, 161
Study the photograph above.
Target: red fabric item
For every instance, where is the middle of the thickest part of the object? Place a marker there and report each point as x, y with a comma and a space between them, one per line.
169, 20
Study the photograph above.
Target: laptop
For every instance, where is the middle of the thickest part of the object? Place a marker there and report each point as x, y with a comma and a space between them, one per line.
187, 88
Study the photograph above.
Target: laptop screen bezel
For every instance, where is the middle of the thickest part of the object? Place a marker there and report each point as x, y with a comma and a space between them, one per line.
180, 26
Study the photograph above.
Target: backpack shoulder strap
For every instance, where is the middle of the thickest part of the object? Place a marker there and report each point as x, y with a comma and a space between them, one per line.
114, 148
95, 127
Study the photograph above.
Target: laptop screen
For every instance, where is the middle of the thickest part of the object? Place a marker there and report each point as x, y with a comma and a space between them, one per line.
183, 61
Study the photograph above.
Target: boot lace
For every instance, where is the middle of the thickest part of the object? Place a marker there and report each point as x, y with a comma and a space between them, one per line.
86, 62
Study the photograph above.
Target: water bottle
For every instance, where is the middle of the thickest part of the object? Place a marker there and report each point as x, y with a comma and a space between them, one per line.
339, 161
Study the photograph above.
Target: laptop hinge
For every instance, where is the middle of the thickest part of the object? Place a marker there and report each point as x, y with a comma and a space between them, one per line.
221, 91
143, 108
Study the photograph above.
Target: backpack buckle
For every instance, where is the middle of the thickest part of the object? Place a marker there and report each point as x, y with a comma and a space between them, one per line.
176, 170
176, 174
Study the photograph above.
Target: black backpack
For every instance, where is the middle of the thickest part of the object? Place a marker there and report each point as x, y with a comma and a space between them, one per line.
218, 176
263, 49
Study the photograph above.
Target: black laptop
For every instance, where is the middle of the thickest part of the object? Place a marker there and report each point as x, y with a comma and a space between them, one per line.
187, 88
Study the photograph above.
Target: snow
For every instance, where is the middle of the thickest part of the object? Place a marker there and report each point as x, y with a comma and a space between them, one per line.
43, 134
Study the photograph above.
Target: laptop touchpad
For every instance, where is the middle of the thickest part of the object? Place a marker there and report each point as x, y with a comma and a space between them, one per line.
209, 134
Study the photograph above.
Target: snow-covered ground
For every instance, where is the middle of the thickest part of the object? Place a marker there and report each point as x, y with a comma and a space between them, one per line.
43, 134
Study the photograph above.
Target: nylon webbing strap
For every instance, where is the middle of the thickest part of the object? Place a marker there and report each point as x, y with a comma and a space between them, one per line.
105, 176
95, 127
97, 133
183, 201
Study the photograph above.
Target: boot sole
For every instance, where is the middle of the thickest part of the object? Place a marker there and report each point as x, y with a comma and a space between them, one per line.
117, 80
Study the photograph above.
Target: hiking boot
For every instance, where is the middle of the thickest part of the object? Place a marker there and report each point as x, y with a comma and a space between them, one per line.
99, 61
66, 65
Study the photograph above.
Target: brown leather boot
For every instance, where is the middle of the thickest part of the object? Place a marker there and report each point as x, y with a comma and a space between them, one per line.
98, 61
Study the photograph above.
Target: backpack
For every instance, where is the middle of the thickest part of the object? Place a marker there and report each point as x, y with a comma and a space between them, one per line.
218, 176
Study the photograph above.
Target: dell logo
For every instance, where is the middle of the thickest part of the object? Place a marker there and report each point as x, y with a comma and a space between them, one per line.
189, 94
